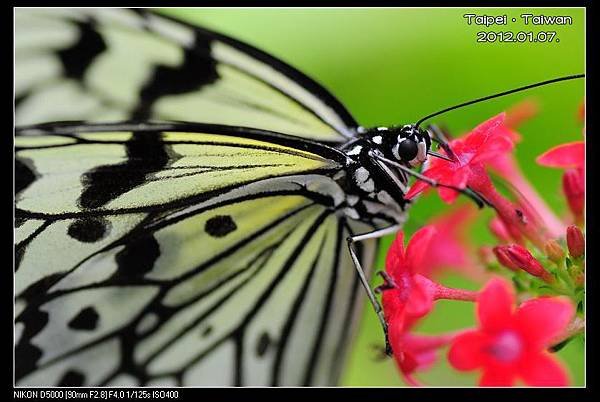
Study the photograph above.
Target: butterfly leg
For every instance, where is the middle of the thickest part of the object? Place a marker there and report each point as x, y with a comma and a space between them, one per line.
363, 279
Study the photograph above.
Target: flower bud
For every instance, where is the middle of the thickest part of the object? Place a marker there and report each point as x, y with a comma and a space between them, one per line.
503, 258
554, 251
574, 189
522, 258
499, 229
575, 241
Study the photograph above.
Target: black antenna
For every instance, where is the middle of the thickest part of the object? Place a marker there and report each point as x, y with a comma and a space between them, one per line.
539, 84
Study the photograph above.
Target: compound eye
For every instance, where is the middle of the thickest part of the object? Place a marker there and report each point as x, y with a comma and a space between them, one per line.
407, 150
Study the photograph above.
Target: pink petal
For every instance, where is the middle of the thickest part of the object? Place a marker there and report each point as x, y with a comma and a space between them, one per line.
497, 376
448, 195
495, 147
467, 350
499, 229
458, 179
541, 319
449, 249
395, 254
419, 245
543, 370
393, 307
426, 359
417, 188
479, 135
448, 252
454, 220
420, 301
495, 306
438, 169
406, 362
569, 155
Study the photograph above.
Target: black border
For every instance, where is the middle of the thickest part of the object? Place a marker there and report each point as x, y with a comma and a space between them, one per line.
394, 394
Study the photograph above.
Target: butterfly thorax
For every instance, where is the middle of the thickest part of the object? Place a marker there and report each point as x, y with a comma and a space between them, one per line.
373, 187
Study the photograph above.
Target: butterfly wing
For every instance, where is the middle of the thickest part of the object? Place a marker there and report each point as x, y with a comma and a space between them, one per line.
179, 255
116, 65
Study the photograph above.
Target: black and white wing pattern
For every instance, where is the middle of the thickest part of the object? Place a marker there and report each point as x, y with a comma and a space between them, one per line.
114, 65
180, 255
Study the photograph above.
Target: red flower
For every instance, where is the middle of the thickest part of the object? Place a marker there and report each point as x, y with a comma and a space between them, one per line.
564, 156
407, 297
448, 248
415, 352
486, 144
481, 146
510, 344
571, 157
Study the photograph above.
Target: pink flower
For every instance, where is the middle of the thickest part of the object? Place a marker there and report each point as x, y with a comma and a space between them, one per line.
486, 144
510, 344
564, 156
449, 247
415, 352
407, 297
481, 146
571, 157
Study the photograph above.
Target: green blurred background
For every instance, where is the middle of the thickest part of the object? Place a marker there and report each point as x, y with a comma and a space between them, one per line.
393, 66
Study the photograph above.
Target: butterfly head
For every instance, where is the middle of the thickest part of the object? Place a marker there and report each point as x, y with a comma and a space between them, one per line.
407, 144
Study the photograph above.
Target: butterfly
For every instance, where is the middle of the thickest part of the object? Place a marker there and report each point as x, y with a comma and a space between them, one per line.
189, 210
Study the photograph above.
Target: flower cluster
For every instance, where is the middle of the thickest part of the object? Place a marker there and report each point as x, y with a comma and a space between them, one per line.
531, 299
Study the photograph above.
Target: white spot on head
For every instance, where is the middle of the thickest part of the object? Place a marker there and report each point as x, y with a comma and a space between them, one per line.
355, 151
382, 129
395, 151
378, 139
